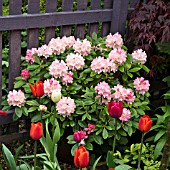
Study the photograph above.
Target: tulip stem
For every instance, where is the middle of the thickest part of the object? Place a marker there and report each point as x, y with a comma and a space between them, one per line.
35, 152
114, 141
140, 152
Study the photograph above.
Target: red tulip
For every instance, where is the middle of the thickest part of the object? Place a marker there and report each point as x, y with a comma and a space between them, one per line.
111, 169
36, 130
37, 89
145, 123
115, 109
3, 113
81, 157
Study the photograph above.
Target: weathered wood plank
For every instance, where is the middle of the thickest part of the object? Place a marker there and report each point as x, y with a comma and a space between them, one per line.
80, 29
95, 4
67, 5
108, 4
14, 46
119, 16
15, 136
51, 6
33, 34
0, 59
54, 19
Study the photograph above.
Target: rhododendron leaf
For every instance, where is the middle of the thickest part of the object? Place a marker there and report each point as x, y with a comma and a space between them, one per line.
133, 70
72, 123
32, 103
37, 59
129, 74
18, 112
32, 109
105, 134
18, 84
94, 36
122, 132
98, 139
121, 68
124, 77
36, 118
33, 67
145, 68
75, 146
89, 146
24, 111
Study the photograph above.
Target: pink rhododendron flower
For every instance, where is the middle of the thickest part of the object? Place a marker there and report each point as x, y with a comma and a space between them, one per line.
117, 56
82, 47
67, 78
57, 45
45, 51
100, 64
125, 115
68, 41
112, 66
30, 55
65, 106
90, 128
141, 85
58, 68
25, 74
103, 90
139, 55
75, 61
123, 94
114, 41
16, 98
50, 85
79, 135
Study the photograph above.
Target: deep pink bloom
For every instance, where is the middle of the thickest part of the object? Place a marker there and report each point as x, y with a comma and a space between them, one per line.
115, 109
79, 135
90, 128
25, 74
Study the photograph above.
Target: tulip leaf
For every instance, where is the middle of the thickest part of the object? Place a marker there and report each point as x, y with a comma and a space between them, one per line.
10, 161
124, 167
95, 163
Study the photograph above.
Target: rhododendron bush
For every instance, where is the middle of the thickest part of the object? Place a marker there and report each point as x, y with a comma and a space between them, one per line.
80, 77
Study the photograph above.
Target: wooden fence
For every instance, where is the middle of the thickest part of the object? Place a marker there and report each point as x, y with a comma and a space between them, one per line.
84, 19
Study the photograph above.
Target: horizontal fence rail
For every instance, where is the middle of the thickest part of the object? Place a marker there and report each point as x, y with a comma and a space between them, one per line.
68, 17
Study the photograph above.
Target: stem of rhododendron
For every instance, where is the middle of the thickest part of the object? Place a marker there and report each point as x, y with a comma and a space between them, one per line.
140, 152
35, 152
114, 141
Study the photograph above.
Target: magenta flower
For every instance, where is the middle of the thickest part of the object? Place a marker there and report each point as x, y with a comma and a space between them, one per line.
115, 109
25, 74
79, 135
90, 128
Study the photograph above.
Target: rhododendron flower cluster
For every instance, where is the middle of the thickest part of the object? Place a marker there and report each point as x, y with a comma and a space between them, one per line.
139, 55
50, 85
75, 61
79, 135
90, 128
103, 90
30, 55
125, 115
65, 106
25, 74
67, 78
16, 98
58, 68
114, 41
83, 47
123, 94
117, 56
45, 51
141, 85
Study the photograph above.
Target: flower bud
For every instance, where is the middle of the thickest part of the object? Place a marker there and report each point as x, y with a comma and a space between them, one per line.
56, 96
42, 108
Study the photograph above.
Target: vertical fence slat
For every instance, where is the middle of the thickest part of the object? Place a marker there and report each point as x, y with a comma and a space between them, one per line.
14, 45
108, 4
32, 38
118, 16
80, 29
14, 55
67, 5
95, 4
0, 58
51, 6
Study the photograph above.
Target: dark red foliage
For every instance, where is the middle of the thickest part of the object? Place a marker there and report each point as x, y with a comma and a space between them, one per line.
149, 24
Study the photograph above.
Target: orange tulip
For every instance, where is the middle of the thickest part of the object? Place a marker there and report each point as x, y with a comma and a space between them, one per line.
111, 169
37, 89
81, 157
36, 130
145, 123
3, 113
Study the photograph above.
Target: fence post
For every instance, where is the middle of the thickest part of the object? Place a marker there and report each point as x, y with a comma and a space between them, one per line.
119, 16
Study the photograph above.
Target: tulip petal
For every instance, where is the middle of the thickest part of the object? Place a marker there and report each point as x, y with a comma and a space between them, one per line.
83, 159
33, 89
3, 113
